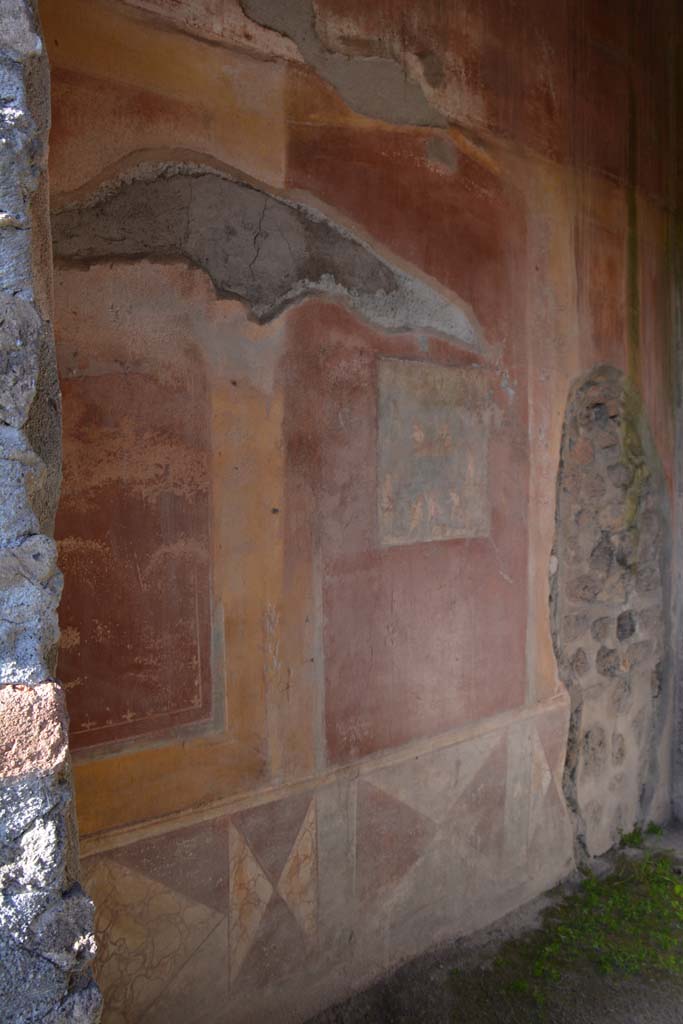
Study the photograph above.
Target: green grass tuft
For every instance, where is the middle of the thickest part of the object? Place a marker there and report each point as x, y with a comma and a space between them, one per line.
629, 923
634, 839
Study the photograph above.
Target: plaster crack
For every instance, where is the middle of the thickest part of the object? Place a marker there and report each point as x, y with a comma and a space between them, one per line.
239, 254
258, 237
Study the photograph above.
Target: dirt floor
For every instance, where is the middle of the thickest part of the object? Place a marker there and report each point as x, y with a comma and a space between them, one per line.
492, 978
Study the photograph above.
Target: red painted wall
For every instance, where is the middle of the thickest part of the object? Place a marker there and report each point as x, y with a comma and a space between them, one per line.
305, 745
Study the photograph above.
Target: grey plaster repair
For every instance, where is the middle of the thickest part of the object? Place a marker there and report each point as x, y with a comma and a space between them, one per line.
375, 86
265, 250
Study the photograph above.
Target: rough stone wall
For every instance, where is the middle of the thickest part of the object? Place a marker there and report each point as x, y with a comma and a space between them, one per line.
610, 572
46, 929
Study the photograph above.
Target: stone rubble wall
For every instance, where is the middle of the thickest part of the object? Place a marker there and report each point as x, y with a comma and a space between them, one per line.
46, 929
609, 574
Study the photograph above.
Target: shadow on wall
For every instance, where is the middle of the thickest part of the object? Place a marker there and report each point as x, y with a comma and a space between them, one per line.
609, 607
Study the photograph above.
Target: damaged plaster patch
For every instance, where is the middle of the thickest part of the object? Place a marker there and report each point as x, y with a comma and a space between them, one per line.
441, 150
608, 604
267, 251
374, 86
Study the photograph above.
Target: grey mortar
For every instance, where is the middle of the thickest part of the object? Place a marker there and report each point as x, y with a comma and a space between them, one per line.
267, 251
374, 86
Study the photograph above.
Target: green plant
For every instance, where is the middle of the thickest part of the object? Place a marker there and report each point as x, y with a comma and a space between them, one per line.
632, 839
628, 923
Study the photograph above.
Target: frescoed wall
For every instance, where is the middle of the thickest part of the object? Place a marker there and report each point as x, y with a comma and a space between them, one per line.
325, 276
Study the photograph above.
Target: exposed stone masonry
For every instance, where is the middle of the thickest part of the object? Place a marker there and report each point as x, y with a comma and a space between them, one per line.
609, 600
46, 931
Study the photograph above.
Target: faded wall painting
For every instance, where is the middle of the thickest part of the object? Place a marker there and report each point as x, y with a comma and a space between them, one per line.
133, 529
433, 434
